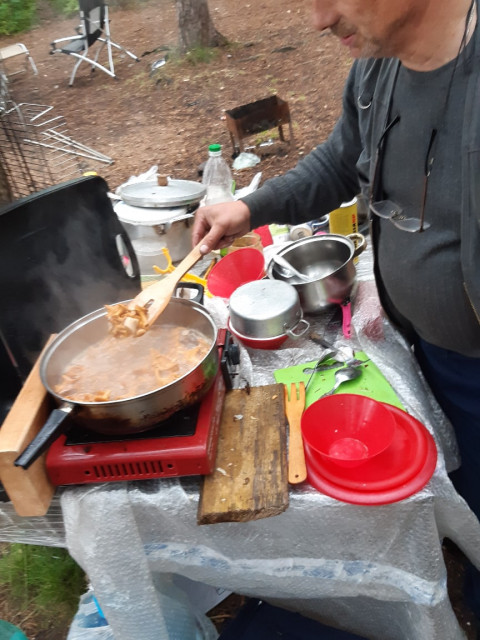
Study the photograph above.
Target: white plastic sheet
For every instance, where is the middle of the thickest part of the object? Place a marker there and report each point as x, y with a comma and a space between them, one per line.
377, 571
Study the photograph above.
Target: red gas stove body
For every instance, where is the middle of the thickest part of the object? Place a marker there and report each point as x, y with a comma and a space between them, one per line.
183, 445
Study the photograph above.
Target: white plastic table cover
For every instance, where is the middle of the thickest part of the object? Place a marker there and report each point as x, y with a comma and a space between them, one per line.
374, 570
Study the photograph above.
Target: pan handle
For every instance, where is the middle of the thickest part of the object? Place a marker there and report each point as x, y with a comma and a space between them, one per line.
195, 286
44, 438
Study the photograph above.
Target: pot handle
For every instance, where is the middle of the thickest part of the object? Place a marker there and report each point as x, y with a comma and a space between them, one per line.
45, 437
290, 330
195, 286
164, 227
347, 318
359, 241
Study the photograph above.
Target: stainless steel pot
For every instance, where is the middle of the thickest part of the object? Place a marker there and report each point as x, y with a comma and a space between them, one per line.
129, 415
157, 216
266, 309
328, 260
151, 229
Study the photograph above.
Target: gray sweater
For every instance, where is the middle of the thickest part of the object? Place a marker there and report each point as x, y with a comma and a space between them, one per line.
408, 267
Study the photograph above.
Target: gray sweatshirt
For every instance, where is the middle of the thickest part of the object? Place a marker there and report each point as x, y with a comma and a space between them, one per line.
430, 281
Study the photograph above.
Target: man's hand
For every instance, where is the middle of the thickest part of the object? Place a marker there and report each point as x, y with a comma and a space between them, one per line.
218, 225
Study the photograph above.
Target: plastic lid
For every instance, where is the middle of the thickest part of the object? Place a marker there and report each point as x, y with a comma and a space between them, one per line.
215, 148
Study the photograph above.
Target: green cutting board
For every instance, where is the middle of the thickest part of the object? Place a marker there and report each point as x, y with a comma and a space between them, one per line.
371, 383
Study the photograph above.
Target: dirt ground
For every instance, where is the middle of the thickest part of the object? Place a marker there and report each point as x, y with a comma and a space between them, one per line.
169, 117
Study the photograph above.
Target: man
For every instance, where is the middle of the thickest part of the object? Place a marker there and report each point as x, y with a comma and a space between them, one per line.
409, 140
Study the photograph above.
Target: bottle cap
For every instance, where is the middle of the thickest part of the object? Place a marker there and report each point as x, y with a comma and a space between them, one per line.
215, 147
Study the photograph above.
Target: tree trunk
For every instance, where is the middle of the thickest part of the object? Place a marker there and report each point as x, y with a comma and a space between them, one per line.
195, 26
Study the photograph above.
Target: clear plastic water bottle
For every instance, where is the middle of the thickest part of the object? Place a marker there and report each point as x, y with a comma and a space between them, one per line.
217, 177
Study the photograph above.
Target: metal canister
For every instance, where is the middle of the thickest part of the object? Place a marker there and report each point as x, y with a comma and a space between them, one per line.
300, 231
344, 220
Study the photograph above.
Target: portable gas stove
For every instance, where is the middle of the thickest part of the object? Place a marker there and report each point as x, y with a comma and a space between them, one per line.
183, 445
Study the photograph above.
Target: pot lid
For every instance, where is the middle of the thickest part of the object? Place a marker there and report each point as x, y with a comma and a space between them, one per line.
176, 193
262, 300
148, 216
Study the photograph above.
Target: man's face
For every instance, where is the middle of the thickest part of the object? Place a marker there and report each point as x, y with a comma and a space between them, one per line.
369, 28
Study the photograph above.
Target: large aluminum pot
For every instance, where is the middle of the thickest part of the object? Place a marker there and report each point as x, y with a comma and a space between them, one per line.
151, 229
159, 215
129, 415
328, 261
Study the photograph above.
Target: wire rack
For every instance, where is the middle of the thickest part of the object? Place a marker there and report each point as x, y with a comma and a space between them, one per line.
35, 149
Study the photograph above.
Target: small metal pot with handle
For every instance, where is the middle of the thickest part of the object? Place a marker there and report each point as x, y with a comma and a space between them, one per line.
328, 261
266, 309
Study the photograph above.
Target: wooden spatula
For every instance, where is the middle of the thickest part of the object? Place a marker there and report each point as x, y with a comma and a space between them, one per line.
294, 406
156, 296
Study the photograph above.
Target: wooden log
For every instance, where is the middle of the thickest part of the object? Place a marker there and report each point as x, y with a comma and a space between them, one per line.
30, 490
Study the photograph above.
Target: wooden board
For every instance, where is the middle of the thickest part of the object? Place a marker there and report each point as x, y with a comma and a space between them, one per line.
29, 489
249, 481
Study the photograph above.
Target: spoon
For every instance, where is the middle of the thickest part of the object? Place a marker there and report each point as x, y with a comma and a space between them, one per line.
343, 375
347, 354
287, 269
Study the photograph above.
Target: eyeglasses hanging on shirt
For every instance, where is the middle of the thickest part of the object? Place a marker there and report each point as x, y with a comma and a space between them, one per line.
385, 208
389, 210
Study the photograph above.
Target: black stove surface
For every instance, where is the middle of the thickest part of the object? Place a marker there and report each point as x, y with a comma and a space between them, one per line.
182, 423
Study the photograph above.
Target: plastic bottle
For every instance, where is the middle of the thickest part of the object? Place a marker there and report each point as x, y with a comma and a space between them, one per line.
217, 177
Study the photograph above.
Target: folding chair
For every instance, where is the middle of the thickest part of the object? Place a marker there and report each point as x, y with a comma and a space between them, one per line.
94, 26
14, 50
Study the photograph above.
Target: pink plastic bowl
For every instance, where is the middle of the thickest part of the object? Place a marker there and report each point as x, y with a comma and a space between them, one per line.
347, 429
234, 269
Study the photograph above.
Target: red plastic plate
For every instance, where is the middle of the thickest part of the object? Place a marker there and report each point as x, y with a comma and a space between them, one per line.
411, 469
403, 459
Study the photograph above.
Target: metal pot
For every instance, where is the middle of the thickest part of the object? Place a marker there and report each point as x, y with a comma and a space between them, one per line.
151, 229
157, 216
328, 260
129, 415
265, 309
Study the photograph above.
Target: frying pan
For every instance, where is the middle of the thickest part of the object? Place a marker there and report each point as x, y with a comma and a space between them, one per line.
129, 415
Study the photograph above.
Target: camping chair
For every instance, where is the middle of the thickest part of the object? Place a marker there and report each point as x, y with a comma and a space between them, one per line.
94, 26
15, 50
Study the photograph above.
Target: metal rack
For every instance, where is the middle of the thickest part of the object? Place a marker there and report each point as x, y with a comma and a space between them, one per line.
35, 149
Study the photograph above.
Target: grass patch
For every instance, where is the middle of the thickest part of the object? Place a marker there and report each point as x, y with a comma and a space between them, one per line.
44, 582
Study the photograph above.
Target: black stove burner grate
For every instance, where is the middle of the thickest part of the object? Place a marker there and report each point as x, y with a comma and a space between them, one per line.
183, 423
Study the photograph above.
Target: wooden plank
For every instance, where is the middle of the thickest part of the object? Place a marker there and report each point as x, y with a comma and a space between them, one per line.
30, 490
250, 477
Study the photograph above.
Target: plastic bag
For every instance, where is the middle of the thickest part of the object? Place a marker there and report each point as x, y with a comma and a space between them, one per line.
245, 161
148, 176
89, 623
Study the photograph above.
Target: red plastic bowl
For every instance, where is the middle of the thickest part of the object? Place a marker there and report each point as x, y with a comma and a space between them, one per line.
234, 269
347, 429
259, 343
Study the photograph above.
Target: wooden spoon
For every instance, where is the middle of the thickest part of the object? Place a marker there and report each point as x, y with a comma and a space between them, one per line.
157, 296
